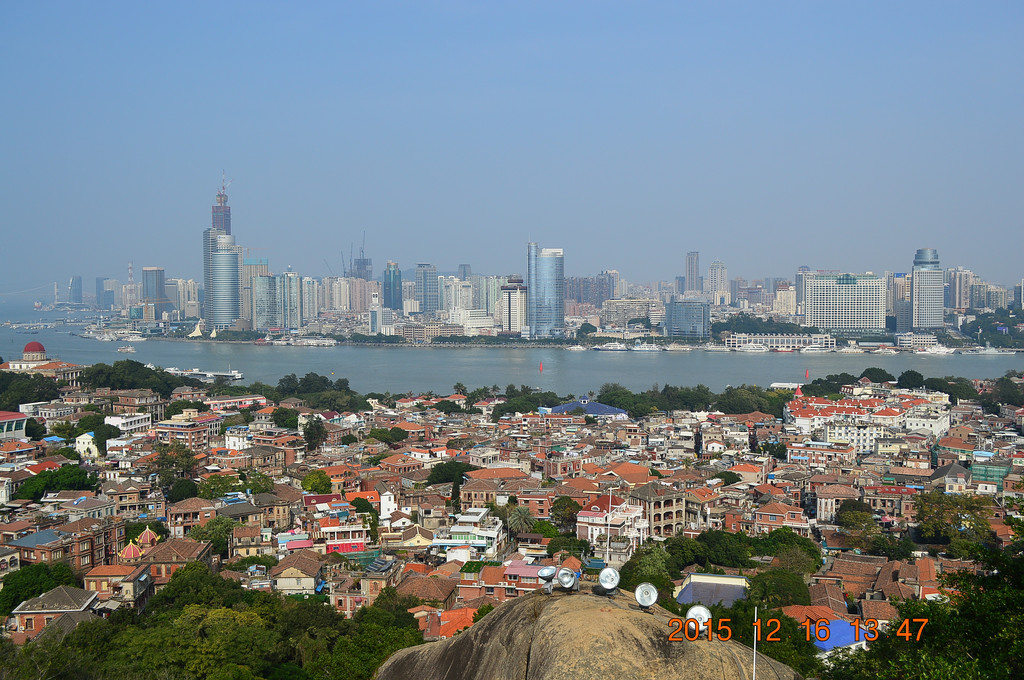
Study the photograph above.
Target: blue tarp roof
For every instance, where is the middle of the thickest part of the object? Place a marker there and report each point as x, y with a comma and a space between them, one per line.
36, 539
725, 594
840, 634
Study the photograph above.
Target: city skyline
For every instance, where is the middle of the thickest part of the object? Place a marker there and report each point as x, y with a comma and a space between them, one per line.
757, 135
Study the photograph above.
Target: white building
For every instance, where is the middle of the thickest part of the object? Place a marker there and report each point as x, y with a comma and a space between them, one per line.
513, 306
848, 302
131, 423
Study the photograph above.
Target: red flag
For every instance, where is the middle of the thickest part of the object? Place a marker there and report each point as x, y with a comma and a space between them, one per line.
807, 374
542, 367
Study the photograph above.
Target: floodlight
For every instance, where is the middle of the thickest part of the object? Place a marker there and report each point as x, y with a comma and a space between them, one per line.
699, 614
646, 595
566, 578
547, 573
609, 579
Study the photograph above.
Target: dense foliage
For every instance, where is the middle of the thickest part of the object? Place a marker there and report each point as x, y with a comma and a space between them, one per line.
68, 477
204, 626
22, 388
129, 375
30, 581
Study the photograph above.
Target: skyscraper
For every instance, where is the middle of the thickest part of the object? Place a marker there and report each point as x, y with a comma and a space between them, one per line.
222, 211
693, 278
251, 266
223, 299
427, 291
75, 290
154, 294
801, 273
266, 303
290, 286
362, 267
545, 291
392, 288
513, 306
464, 272
718, 283
927, 290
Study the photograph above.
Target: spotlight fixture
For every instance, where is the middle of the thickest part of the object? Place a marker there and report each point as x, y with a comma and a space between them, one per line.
567, 578
698, 616
547, 574
608, 580
646, 595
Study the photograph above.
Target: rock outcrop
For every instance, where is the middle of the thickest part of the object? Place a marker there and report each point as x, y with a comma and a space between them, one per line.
578, 636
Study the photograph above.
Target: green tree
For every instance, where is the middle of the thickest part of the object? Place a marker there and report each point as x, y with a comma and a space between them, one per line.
519, 520
34, 430
179, 406
563, 514
877, 375
910, 380
317, 482
942, 516
218, 486
286, 418
315, 433
449, 472
891, 547
585, 329
728, 477
482, 612
68, 477
217, 531
182, 489
780, 588
349, 439
380, 434
398, 435
30, 581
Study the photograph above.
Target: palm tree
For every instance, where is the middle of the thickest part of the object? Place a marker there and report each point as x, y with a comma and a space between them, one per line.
520, 521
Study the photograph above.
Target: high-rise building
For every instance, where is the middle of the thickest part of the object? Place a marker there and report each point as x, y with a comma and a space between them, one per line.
801, 273
897, 289
75, 290
290, 285
310, 299
513, 306
927, 290
718, 283
105, 295
251, 266
223, 299
464, 272
362, 268
545, 291
154, 294
455, 293
392, 287
960, 282
693, 277
266, 303
688, 319
785, 300
221, 211
847, 302
427, 292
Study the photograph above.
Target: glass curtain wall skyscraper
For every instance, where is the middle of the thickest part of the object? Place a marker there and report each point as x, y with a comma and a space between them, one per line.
392, 286
693, 280
545, 291
927, 290
224, 304
427, 289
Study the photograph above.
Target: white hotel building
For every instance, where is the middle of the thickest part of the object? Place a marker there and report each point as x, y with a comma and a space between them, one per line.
845, 302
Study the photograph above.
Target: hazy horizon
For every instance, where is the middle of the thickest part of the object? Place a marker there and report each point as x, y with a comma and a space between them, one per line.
766, 135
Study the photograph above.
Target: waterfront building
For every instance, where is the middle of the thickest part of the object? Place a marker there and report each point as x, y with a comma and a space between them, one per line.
545, 291
251, 266
427, 293
785, 300
154, 294
688, 319
959, 282
693, 277
513, 306
392, 286
845, 302
266, 303
223, 299
75, 290
781, 341
897, 289
290, 285
801, 275
310, 306
927, 290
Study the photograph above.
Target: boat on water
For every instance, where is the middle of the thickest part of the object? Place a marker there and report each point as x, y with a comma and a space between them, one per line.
645, 347
885, 350
850, 350
232, 375
576, 348
716, 348
987, 351
612, 347
752, 347
935, 350
678, 347
814, 349
126, 349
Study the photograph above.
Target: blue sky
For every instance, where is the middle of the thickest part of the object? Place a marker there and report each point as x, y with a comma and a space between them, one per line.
768, 135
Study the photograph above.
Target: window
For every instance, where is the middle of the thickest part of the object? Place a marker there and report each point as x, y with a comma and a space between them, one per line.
30, 623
